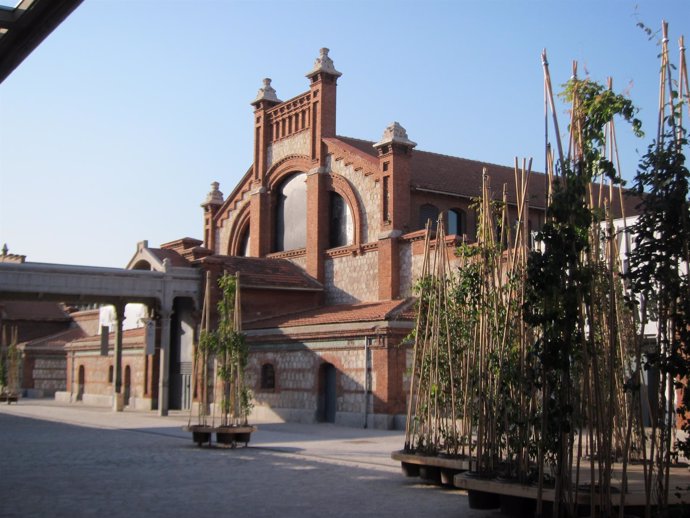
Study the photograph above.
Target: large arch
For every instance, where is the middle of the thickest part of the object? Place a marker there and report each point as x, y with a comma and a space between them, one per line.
284, 168
239, 226
334, 182
341, 186
289, 213
275, 178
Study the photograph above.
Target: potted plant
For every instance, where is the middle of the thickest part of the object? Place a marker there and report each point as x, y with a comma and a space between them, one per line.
226, 346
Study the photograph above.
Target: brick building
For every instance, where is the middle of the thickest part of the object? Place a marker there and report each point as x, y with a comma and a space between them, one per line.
327, 233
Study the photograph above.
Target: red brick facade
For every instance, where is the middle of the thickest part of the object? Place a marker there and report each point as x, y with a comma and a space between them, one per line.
326, 317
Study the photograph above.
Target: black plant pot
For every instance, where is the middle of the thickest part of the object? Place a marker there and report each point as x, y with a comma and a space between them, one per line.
517, 506
410, 470
201, 437
483, 500
431, 474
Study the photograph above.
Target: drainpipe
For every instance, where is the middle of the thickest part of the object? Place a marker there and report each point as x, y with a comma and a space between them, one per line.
367, 377
71, 385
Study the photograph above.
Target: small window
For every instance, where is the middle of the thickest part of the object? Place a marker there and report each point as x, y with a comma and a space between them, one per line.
428, 212
111, 372
457, 222
268, 377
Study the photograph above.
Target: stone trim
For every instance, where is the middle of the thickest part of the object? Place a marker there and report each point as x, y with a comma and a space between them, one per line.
288, 254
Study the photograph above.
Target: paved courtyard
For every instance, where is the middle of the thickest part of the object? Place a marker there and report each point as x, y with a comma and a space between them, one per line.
58, 460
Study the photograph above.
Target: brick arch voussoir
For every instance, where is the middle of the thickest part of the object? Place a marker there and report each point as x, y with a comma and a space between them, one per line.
343, 187
285, 167
238, 226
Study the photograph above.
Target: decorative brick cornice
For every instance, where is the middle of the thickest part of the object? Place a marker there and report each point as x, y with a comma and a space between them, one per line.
352, 250
290, 117
342, 251
289, 254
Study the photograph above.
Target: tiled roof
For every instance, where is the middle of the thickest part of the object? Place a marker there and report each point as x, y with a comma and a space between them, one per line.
32, 310
129, 335
54, 342
343, 313
262, 272
463, 177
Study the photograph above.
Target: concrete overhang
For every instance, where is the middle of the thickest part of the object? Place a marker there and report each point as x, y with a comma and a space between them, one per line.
25, 26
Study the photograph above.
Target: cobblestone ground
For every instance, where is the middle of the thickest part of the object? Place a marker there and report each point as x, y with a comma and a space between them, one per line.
50, 468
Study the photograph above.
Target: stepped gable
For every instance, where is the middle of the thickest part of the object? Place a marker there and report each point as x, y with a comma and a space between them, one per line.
267, 273
463, 177
343, 313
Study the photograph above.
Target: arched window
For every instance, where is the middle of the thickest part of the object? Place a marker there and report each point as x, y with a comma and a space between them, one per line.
341, 230
142, 264
245, 242
457, 222
291, 213
428, 212
268, 377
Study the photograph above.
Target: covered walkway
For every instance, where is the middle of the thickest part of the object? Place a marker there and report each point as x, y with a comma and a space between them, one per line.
88, 284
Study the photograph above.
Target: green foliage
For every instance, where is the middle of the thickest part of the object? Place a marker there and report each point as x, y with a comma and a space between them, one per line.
659, 261
561, 278
231, 350
594, 106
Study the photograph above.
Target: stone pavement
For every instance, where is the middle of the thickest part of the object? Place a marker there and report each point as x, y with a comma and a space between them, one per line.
73, 460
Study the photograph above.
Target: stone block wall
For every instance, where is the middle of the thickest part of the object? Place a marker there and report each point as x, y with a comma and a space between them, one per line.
352, 278
297, 144
297, 376
49, 375
410, 269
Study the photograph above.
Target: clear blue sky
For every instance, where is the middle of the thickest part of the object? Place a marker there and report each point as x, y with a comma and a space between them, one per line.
113, 129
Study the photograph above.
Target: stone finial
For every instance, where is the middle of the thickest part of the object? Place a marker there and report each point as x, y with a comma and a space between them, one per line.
214, 197
324, 64
395, 134
266, 93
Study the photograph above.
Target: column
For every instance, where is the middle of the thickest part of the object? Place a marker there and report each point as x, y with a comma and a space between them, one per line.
118, 396
164, 371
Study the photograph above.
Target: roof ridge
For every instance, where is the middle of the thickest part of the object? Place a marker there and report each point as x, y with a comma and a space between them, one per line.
399, 308
280, 315
53, 336
455, 157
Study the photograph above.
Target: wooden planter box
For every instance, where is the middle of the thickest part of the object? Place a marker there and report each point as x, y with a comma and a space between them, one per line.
226, 435
8, 398
434, 469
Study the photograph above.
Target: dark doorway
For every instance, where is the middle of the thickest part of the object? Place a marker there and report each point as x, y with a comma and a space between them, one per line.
327, 394
181, 352
128, 384
80, 383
